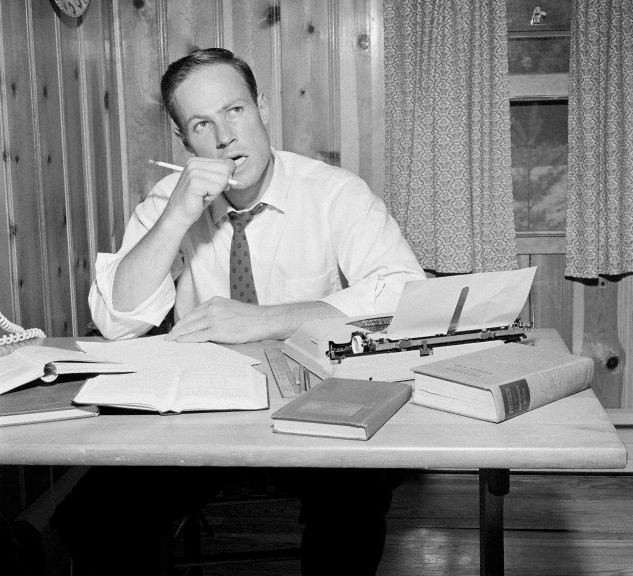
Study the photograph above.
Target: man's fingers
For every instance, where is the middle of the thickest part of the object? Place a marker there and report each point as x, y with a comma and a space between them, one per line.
187, 325
217, 320
202, 170
199, 336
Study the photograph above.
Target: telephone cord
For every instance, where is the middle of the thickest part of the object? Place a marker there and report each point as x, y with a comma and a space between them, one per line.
18, 333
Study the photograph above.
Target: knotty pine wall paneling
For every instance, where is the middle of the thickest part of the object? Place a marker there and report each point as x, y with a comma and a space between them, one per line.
193, 24
362, 93
49, 154
552, 295
6, 238
592, 316
143, 54
78, 192
625, 336
598, 320
21, 169
102, 141
310, 83
550, 301
61, 194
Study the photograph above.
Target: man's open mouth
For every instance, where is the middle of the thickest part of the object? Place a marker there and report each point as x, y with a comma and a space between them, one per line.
239, 160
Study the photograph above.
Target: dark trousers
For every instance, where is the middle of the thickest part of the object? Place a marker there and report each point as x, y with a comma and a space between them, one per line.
113, 520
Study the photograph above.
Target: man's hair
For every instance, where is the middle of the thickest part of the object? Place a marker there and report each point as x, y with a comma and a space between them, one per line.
178, 71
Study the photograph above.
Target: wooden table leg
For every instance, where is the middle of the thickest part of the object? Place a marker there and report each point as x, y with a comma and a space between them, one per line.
494, 484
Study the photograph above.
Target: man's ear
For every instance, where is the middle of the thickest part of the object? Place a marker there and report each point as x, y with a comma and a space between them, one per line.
264, 111
182, 139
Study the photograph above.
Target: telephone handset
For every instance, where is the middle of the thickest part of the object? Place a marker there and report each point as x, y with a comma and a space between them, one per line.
18, 334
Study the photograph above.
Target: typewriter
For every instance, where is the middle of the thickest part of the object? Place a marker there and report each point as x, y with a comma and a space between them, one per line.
435, 318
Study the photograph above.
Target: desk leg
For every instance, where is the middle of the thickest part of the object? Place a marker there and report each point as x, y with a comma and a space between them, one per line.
494, 484
164, 555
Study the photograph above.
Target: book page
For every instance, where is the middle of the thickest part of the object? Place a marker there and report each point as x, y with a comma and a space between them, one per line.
16, 370
220, 387
45, 354
146, 390
69, 361
153, 351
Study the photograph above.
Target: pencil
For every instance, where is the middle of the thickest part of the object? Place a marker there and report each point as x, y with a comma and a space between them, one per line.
177, 168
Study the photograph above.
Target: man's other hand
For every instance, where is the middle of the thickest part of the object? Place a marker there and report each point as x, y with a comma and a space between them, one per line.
227, 321
224, 321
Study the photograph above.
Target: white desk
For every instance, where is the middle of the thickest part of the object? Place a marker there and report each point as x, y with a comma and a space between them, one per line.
573, 433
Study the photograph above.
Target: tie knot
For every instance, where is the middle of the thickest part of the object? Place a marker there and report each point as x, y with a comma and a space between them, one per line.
243, 218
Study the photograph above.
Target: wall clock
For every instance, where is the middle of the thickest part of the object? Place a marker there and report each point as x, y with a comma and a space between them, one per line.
73, 8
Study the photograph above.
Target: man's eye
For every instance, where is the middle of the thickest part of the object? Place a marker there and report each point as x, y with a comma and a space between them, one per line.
201, 126
235, 110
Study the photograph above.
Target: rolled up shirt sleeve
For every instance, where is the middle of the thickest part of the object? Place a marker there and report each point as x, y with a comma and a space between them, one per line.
372, 253
373, 295
116, 325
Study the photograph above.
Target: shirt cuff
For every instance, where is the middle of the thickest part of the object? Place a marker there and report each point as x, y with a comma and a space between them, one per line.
361, 299
372, 295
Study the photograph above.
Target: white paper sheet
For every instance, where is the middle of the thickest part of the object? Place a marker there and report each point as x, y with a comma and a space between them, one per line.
494, 299
155, 352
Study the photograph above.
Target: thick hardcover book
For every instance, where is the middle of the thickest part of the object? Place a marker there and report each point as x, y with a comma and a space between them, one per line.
29, 363
501, 382
342, 408
43, 404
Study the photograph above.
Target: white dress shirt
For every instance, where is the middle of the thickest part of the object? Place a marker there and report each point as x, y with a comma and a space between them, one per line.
323, 236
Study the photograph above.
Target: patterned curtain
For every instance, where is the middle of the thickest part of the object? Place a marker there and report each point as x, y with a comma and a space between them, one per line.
600, 164
447, 180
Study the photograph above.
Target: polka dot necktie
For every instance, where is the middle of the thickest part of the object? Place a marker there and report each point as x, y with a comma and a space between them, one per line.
241, 276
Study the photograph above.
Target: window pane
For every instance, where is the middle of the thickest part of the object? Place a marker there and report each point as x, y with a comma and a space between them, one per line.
538, 55
519, 14
539, 165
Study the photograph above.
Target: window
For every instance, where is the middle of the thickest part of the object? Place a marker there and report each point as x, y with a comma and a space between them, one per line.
539, 165
538, 63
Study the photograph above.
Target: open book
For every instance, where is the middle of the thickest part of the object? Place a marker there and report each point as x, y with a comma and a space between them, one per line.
197, 387
29, 363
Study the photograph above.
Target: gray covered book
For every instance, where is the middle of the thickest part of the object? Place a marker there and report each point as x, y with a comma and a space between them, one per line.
342, 408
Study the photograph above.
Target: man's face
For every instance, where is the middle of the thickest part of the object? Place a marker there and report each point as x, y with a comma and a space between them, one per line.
220, 120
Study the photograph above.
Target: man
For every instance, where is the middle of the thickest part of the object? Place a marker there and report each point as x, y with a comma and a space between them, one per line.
319, 222
319, 244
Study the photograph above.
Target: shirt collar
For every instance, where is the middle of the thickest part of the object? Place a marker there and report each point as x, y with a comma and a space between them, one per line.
276, 195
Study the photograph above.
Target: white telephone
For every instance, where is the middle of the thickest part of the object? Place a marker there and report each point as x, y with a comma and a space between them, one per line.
18, 334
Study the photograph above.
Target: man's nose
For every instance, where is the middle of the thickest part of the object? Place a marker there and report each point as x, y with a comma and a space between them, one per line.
224, 135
